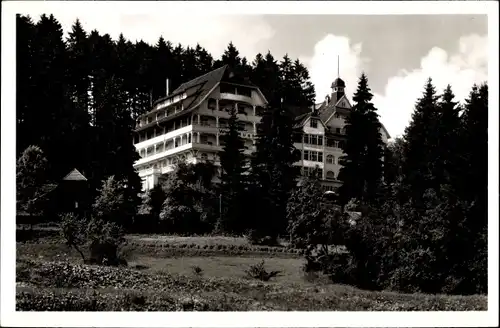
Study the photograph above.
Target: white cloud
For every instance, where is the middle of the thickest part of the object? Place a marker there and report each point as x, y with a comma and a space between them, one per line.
323, 64
460, 70
211, 31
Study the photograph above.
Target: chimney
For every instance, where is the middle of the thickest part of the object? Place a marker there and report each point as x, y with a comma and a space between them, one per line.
168, 91
327, 99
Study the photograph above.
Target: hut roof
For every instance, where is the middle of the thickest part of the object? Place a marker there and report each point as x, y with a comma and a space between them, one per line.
74, 175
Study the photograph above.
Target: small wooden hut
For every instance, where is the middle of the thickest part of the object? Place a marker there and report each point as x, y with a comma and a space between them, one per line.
73, 193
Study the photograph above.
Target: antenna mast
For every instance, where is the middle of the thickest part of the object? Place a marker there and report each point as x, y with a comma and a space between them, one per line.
338, 66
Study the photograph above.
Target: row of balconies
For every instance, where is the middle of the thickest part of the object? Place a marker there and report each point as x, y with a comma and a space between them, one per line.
225, 103
208, 141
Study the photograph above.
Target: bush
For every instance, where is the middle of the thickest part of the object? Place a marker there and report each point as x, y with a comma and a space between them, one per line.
197, 270
103, 239
258, 271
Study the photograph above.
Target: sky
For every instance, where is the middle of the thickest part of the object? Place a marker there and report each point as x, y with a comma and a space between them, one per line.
397, 52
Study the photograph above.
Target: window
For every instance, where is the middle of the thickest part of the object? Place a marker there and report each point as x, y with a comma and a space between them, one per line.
341, 144
212, 104
320, 140
313, 123
330, 175
320, 157
189, 138
313, 140
244, 91
306, 155
330, 159
314, 156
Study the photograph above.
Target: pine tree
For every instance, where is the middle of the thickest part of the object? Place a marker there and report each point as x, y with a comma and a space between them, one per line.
189, 65
446, 157
266, 75
288, 89
362, 165
204, 60
144, 76
25, 69
162, 62
233, 165
230, 57
175, 71
79, 87
303, 81
474, 141
125, 72
273, 174
49, 119
420, 140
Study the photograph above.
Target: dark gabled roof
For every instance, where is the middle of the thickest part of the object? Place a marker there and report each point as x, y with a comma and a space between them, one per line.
327, 111
205, 82
301, 120
74, 175
197, 90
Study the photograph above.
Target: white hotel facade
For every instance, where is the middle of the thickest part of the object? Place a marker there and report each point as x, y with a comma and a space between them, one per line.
185, 127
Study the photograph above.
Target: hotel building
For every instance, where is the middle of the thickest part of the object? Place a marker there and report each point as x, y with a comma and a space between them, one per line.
185, 125
320, 136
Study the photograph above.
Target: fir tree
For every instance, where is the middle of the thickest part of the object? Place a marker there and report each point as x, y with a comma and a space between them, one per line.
79, 87
361, 170
266, 75
420, 140
25, 69
50, 117
446, 157
230, 57
162, 62
233, 165
273, 174
204, 61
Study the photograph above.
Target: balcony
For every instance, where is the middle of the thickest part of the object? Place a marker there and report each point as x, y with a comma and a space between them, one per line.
150, 171
163, 154
235, 97
163, 137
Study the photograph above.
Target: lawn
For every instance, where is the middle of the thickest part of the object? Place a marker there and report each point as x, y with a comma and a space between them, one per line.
161, 278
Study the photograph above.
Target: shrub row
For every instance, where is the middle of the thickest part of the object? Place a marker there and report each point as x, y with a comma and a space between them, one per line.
91, 300
218, 247
97, 288
70, 275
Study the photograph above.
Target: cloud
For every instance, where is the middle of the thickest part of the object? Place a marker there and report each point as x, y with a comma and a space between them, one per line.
396, 104
323, 64
461, 70
211, 32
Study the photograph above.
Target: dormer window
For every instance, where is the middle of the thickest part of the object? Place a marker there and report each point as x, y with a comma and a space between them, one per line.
313, 123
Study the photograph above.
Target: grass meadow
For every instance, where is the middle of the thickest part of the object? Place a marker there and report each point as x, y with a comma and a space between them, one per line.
172, 273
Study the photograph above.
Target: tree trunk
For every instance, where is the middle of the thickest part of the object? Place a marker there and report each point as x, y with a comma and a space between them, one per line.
79, 251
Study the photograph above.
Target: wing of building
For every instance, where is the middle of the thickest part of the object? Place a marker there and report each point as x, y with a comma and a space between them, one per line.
184, 126
320, 136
